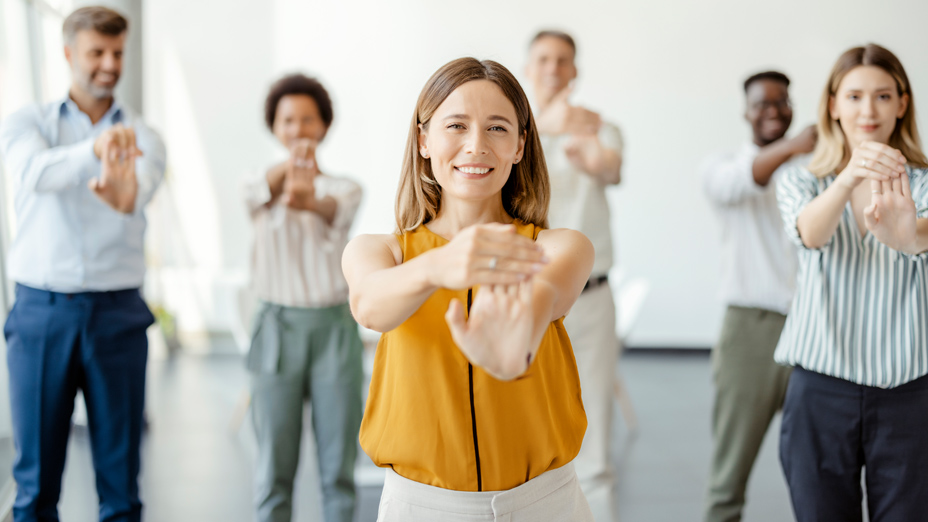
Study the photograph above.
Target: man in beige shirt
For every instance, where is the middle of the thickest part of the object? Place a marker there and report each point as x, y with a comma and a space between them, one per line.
584, 156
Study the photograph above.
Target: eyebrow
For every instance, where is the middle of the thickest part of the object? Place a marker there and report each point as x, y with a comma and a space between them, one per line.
464, 117
878, 89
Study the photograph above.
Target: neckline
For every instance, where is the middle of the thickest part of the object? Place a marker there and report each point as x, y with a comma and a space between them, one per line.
515, 221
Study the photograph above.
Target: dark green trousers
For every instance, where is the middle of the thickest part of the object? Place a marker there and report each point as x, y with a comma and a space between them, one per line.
749, 389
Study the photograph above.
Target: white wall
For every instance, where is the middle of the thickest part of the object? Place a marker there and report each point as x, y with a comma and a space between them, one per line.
669, 73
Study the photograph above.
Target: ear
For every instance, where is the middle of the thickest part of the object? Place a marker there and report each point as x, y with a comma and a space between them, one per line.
423, 146
573, 71
521, 150
903, 106
67, 53
832, 110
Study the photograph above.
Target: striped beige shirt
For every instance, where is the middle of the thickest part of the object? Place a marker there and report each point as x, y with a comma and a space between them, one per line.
296, 256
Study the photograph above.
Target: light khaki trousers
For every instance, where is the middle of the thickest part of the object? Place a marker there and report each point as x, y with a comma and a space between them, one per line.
554, 495
749, 389
590, 324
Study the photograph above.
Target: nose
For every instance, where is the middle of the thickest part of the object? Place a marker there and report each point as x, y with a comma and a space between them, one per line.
110, 62
476, 142
868, 107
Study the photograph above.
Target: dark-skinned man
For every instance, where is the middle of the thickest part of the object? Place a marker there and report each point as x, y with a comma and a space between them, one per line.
758, 279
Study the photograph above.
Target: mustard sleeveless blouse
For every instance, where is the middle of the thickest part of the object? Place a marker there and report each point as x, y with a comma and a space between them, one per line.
438, 420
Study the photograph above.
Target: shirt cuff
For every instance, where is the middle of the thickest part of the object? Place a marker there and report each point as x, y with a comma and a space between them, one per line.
257, 192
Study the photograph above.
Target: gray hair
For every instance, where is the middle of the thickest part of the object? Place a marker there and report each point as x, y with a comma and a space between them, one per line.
97, 18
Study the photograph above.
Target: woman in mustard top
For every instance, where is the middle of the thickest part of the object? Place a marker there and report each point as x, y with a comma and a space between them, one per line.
474, 405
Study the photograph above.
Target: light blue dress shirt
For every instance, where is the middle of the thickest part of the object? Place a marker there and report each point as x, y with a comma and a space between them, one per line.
67, 239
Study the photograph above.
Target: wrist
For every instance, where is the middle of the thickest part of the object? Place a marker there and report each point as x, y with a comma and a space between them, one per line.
847, 181
428, 273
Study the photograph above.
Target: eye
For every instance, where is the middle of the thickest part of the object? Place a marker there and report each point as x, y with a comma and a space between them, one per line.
885, 97
853, 97
455, 126
498, 128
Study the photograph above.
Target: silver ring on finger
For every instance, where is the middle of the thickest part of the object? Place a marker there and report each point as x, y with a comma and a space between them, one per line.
494, 262
863, 163
876, 191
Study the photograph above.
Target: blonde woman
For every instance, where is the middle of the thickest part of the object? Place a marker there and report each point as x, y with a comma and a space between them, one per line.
474, 404
857, 332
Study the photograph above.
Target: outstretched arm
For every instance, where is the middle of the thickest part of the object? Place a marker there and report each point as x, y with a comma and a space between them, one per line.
819, 220
385, 289
507, 322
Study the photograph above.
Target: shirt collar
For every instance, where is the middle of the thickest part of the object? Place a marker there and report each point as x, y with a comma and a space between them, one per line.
115, 114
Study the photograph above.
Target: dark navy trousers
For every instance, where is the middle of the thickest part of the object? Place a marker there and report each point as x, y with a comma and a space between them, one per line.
59, 343
833, 428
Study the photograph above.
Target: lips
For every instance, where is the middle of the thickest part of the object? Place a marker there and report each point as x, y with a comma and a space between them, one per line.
473, 171
868, 128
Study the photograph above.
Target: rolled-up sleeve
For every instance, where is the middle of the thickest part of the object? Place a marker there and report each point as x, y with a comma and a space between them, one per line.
347, 195
34, 165
256, 192
729, 180
918, 184
611, 138
796, 188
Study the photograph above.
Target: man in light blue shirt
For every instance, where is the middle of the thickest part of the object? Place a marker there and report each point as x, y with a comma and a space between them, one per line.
82, 170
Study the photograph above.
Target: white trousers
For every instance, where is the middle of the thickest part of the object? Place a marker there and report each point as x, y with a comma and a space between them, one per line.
554, 495
591, 326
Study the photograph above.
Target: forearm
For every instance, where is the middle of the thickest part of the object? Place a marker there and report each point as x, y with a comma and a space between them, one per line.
605, 165
544, 297
54, 169
275, 180
325, 208
385, 298
769, 159
819, 220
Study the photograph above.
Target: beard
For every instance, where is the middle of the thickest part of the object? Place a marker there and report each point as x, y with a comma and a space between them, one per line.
99, 92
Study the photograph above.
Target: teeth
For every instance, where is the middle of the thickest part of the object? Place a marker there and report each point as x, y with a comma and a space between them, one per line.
473, 170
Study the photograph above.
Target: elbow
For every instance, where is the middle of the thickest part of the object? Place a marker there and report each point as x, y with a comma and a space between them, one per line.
811, 241
812, 244
366, 316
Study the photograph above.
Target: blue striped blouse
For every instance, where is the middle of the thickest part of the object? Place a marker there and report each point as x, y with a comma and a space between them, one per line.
861, 308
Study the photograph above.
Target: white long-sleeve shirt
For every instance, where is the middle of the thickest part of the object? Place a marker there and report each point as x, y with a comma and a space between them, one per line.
758, 261
67, 239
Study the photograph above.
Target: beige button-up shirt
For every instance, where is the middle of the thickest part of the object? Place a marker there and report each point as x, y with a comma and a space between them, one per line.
296, 255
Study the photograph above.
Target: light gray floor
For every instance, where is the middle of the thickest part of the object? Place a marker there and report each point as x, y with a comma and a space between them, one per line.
196, 468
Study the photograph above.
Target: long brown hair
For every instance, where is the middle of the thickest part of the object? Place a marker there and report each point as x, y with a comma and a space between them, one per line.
526, 192
832, 149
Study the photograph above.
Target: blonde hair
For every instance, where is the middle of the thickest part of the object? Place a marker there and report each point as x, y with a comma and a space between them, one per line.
526, 192
832, 150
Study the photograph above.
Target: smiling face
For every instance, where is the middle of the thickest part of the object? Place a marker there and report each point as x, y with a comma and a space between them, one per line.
550, 67
472, 141
96, 62
297, 117
867, 105
768, 110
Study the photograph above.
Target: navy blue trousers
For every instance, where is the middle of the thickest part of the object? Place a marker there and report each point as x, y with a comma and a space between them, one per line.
59, 343
833, 428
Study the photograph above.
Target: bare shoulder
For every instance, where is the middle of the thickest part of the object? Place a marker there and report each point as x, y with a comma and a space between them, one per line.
561, 241
374, 247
